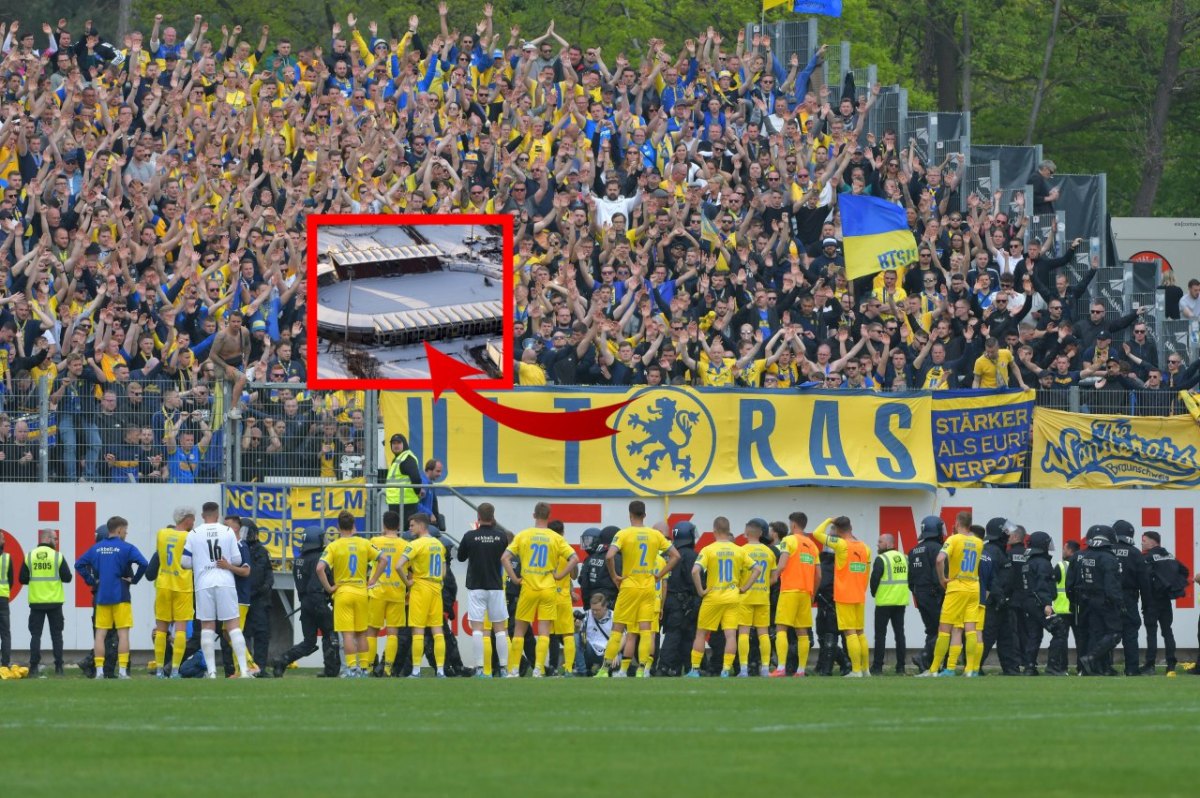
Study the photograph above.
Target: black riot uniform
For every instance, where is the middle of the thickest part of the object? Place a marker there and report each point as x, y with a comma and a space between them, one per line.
262, 585
316, 614
1168, 581
681, 606
1135, 584
1094, 583
593, 574
1027, 628
999, 629
923, 581
1039, 587
828, 635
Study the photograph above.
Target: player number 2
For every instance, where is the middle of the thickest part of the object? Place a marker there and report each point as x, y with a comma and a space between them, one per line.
969, 559
645, 550
214, 550
725, 570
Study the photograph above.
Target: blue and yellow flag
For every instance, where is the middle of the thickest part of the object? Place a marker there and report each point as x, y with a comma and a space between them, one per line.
875, 236
769, 4
827, 8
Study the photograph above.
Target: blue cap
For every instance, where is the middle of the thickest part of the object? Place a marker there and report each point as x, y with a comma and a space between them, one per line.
497, 53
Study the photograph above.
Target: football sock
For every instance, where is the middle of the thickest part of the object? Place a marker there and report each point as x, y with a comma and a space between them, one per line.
645, 648
208, 642
501, 649
123, 662
697, 658
955, 652
390, 646
482, 649
610, 650
939, 651
764, 650
852, 650
160, 648
100, 665
781, 649
864, 653
803, 645
542, 652
727, 662
973, 652
568, 657
743, 650
418, 649
238, 641
514, 654
372, 651
178, 649
439, 651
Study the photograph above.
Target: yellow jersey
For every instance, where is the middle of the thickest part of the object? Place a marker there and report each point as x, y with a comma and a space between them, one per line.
725, 565
639, 547
348, 558
660, 587
760, 591
993, 373
171, 575
962, 562
426, 559
541, 552
391, 584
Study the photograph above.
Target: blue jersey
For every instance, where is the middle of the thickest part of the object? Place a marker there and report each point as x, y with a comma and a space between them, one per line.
106, 566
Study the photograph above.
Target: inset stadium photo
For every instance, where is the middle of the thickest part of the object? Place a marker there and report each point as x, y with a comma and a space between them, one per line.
381, 287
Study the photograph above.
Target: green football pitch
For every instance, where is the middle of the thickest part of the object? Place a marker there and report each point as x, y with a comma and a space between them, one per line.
579, 737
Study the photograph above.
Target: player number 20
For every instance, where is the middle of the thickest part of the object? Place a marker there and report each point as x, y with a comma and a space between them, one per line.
538, 554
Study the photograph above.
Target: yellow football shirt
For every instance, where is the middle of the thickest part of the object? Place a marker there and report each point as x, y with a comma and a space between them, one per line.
639, 546
760, 591
962, 560
541, 552
171, 574
725, 566
426, 559
349, 558
391, 584
993, 373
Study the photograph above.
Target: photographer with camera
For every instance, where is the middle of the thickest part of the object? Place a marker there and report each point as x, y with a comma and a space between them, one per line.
595, 631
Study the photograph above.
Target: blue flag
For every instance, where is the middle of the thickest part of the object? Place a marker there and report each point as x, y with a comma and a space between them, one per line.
875, 235
826, 8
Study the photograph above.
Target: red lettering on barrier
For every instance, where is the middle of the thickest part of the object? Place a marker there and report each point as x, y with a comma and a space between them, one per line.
678, 518
1072, 524
899, 521
1184, 540
571, 513
85, 537
47, 511
950, 514
12, 547
704, 539
1151, 517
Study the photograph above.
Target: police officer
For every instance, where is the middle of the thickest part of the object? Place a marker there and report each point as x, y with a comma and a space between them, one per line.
828, 634
1135, 583
924, 584
402, 474
45, 570
1056, 657
1028, 629
316, 615
1168, 581
1039, 590
1095, 585
593, 574
262, 583
998, 627
681, 606
889, 586
6, 580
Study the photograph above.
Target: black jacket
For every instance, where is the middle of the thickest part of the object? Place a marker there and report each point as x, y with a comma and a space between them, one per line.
594, 576
304, 571
922, 567
262, 577
1000, 592
1018, 555
1038, 581
1134, 570
1094, 578
481, 549
680, 584
1168, 576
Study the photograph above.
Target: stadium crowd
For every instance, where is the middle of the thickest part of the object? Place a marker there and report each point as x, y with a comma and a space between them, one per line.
677, 222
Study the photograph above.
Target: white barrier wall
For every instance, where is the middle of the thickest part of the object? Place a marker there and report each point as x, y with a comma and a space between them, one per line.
76, 510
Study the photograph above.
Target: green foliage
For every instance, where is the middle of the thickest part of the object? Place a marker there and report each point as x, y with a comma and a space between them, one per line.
1100, 84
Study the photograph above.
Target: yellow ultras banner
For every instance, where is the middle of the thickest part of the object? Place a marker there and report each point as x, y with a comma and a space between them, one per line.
677, 441
1072, 450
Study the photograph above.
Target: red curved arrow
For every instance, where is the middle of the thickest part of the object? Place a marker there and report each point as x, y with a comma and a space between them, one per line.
446, 373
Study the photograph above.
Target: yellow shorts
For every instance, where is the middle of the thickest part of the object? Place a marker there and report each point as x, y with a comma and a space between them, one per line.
718, 616
957, 606
425, 606
564, 621
384, 612
114, 616
173, 605
851, 616
654, 622
756, 615
794, 609
539, 604
976, 615
349, 611
635, 606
